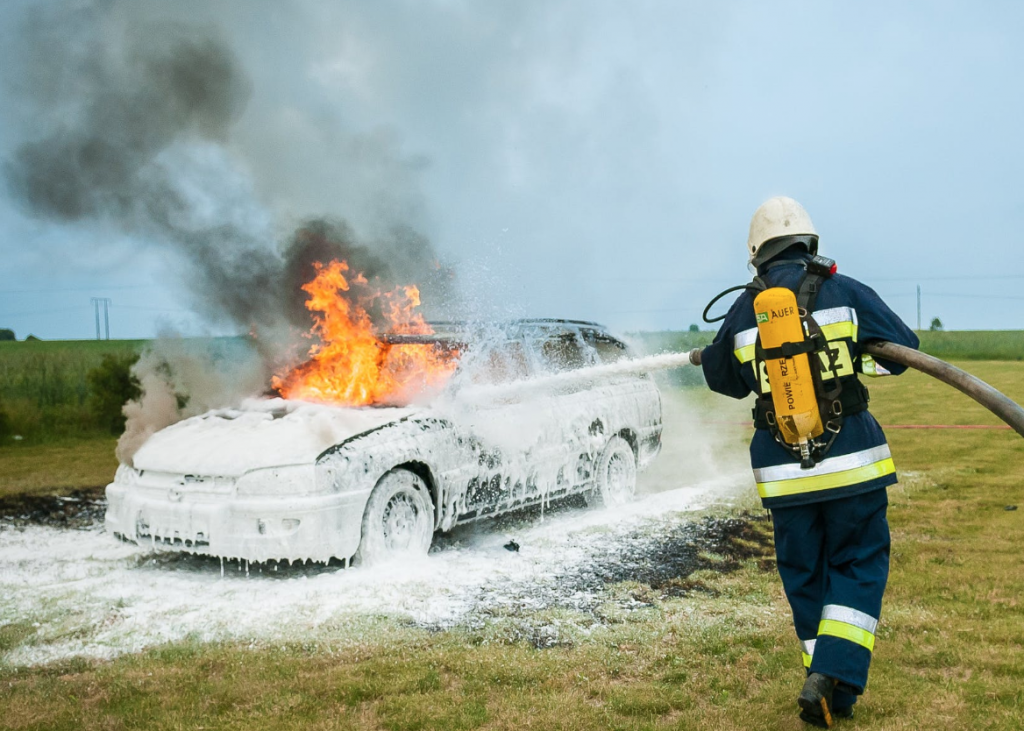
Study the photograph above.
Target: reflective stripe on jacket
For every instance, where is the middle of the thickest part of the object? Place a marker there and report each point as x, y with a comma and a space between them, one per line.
848, 313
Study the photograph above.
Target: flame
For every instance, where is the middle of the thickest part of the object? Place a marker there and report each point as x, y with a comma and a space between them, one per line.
349, 365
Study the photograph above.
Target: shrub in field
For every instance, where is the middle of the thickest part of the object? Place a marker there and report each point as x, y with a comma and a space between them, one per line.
45, 389
6, 334
111, 386
5, 425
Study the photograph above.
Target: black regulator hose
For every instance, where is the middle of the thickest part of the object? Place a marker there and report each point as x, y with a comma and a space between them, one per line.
984, 394
755, 286
977, 389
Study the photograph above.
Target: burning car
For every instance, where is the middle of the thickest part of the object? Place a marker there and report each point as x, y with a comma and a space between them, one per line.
286, 479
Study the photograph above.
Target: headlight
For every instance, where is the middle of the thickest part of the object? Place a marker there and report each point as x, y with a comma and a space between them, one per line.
278, 481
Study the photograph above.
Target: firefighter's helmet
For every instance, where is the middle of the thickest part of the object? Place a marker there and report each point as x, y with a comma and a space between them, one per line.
779, 223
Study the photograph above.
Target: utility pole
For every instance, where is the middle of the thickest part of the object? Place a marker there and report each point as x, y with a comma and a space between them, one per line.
96, 302
919, 307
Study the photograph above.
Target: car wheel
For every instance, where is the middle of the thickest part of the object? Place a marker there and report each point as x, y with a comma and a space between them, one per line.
615, 474
398, 520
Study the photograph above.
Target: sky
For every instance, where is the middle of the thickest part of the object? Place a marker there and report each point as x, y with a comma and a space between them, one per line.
581, 159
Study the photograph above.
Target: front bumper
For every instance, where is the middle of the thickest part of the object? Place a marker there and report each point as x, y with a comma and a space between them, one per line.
315, 527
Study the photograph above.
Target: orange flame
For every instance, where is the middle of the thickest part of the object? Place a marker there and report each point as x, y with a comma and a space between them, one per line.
349, 365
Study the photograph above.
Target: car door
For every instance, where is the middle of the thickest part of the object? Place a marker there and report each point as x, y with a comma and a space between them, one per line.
518, 439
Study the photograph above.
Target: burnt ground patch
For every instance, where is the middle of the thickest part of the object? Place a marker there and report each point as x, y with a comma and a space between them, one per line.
77, 509
664, 558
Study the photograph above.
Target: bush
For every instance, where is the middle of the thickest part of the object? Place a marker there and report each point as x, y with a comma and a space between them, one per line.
5, 425
7, 334
111, 386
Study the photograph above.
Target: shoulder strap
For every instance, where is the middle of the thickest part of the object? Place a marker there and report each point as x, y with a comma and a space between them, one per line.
818, 269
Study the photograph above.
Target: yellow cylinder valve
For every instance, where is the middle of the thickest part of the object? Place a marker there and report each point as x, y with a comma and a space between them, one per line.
790, 378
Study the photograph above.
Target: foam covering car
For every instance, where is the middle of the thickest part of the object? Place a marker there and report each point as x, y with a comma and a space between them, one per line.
288, 480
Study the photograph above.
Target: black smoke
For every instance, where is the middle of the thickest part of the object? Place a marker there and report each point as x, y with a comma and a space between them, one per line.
130, 126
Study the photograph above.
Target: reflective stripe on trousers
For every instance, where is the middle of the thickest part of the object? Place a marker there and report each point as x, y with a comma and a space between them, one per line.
846, 623
849, 624
840, 471
807, 648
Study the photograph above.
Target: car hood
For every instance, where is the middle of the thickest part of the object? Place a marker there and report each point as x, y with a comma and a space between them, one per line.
260, 433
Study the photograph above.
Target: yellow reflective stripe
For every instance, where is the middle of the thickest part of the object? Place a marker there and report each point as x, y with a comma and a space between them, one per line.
845, 631
839, 463
840, 330
745, 354
836, 323
870, 367
828, 481
744, 345
807, 650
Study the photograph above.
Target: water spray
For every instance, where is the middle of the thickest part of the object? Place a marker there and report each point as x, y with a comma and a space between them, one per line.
989, 397
539, 384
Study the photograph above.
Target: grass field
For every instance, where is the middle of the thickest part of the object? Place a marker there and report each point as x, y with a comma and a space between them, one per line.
974, 345
44, 388
950, 651
57, 468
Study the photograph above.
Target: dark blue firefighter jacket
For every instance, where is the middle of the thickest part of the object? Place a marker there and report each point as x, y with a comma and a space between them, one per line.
849, 314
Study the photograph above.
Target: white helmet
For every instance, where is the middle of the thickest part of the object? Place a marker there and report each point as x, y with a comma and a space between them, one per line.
779, 218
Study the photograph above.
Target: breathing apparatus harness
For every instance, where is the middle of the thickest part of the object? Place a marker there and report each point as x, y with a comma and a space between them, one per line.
839, 398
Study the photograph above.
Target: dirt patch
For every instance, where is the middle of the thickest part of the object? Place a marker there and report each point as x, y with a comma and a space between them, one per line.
78, 509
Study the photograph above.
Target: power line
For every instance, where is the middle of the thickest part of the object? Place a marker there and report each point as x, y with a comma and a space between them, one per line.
925, 294
155, 309
958, 278
52, 290
76, 308
41, 312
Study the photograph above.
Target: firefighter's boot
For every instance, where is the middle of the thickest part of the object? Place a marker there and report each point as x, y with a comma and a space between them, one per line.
815, 700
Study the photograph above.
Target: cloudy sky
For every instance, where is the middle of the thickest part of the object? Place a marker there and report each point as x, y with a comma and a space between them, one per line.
582, 159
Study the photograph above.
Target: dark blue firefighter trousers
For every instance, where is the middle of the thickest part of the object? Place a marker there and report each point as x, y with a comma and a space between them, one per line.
833, 557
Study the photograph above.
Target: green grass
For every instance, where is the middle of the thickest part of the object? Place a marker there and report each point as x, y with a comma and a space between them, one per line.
44, 389
950, 651
974, 344
57, 468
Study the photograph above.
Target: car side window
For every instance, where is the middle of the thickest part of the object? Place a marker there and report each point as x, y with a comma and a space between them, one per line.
604, 348
506, 363
609, 351
564, 352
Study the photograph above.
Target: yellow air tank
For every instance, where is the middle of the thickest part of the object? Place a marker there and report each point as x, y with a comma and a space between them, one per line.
791, 381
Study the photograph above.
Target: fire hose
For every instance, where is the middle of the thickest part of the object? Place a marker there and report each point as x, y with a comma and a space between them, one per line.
984, 394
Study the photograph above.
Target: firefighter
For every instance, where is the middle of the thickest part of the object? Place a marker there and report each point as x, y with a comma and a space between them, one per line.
829, 509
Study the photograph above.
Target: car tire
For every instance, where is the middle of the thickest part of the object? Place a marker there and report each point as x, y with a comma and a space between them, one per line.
398, 520
615, 474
